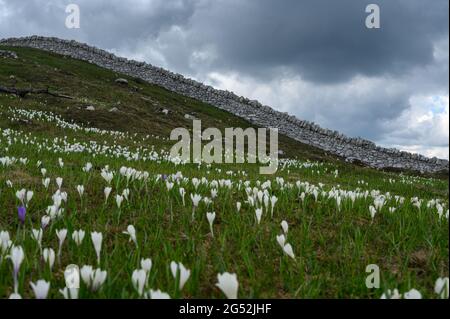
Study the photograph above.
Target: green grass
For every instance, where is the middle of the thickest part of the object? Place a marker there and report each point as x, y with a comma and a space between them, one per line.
332, 246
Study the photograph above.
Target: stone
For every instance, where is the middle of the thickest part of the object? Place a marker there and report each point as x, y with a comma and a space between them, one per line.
8, 54
121, 81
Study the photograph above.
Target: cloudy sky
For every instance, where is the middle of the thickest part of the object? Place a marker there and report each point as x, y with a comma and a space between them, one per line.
315, 59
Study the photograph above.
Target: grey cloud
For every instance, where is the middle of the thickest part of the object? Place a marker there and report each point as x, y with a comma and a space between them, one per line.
110, 24
324, 41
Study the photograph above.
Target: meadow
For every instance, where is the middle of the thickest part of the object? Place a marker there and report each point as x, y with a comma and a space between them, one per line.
77, 188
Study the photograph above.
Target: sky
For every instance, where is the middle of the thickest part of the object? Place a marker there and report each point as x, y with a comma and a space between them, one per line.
314, 59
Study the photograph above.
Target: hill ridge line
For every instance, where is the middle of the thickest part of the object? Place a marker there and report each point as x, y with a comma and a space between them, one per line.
351, 149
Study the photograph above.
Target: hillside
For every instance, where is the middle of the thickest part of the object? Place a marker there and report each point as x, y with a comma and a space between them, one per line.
341, 217
139, 105
350, 148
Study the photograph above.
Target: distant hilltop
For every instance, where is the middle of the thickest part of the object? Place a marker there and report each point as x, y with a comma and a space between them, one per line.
351, 149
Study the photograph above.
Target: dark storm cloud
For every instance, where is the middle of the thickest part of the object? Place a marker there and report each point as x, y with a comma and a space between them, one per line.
324, 41
105, 23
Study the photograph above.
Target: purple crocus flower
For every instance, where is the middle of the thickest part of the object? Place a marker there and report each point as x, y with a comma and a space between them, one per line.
21, 213
164, 177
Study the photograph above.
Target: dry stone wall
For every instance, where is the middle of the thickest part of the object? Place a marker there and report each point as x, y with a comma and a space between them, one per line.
351, 149
8, 54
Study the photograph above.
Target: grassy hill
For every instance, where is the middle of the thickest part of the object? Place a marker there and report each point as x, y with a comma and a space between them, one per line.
325, 202
140, 104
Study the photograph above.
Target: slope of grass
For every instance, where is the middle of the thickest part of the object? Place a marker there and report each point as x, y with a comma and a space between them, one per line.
140, 104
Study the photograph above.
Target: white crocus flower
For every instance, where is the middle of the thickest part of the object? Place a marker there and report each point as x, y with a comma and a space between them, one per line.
158, 294
196, 182
64, 196
182, 194
16, 255
80, 190
281, 239
78, 236
184, 273
97, 239
131, 231
288, 250
40, 289
49, 257
59, 182
53, 211
69, 293
126, 194
228, 284
379, 203
273, 201
211, 217
29, 196
86, 272
139, 279
98, 279
45, 220
107, 191
285, 226
5, 244
36, 234
195, 201
24, 196
373, 211
391, 294
338, 202
413, 294
107, 176
61, 234
146, 264
238, 207
251, 201
119, 200
258, 213
169, 186
87, 168
93, 279
207, 201
21, 195
302, 196
441, 287
57, 200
